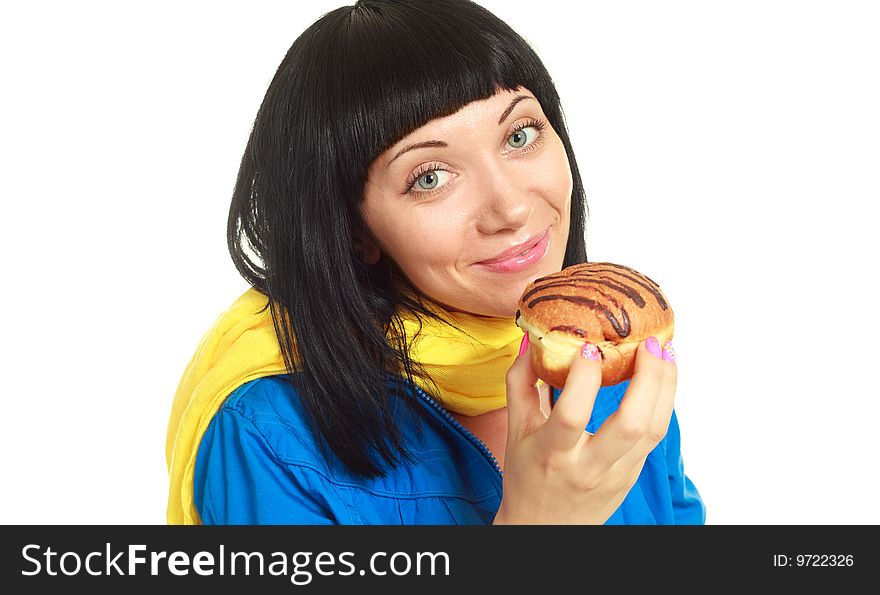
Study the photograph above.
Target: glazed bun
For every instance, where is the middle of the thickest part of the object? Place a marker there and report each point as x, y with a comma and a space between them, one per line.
607, 304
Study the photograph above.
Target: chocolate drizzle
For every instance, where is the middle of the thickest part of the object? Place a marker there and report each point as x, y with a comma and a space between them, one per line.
628, 285
653, 288
626, 290
622, 330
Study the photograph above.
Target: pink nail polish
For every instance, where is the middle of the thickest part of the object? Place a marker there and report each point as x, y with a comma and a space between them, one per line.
653, 346
590, 351
524, 344
669, 352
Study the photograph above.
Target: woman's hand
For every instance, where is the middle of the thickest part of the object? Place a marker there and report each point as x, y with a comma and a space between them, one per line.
557, 473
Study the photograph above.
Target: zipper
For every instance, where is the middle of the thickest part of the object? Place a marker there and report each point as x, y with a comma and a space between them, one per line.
467, 433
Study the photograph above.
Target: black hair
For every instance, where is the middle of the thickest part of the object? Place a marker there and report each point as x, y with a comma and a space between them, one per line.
352, 85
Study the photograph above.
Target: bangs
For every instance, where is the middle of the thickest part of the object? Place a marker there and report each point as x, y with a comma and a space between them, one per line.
394, 67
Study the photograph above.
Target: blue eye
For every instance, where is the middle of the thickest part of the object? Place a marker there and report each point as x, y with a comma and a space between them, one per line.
426, 179
518, 139
429, 180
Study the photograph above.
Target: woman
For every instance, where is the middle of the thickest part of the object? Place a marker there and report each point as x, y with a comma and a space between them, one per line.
406, 161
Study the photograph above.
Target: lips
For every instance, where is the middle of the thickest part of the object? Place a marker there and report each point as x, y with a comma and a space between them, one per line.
517, 250
521, 256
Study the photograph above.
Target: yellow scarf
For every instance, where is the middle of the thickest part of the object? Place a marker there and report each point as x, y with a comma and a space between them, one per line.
241, 346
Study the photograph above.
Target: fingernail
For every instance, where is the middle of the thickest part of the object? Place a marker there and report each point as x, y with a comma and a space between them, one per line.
524, 344
669, 352
653, 346
590, 351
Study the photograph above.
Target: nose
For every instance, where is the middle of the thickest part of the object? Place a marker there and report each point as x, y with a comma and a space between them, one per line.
505, 203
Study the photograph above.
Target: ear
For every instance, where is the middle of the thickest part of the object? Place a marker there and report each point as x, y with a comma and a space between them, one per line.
368, 249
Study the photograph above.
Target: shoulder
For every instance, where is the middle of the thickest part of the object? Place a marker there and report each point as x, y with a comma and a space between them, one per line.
259, 463
263, 395
271, 407
271, 416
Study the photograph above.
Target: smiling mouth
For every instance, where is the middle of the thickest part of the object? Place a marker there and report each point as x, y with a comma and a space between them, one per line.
513, 253
522, 259
524, 250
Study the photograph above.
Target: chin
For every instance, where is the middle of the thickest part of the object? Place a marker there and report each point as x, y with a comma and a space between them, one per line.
501, 309
507, 296
505, 309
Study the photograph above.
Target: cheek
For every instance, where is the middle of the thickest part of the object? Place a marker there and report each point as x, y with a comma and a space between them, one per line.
558, 181
550, 178
429, 239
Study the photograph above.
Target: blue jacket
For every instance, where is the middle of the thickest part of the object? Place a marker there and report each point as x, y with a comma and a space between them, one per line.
259, 463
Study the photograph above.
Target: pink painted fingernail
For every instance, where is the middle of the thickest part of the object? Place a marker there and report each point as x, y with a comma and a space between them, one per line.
653, 346
590, 351
524, 344
669, 352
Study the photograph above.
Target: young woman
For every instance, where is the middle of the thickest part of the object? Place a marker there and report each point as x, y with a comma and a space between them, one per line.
408, 174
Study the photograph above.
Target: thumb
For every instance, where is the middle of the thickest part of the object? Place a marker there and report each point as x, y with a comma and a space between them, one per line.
523, 399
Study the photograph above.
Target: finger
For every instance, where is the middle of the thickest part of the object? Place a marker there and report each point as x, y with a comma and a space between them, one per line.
545, 392
571, 413
625, 428
523, 402
662, 412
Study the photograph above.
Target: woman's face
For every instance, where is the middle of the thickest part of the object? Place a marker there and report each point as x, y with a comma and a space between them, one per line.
474, 206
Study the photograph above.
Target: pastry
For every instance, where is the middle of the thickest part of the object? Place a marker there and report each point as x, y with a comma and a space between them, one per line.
610, 305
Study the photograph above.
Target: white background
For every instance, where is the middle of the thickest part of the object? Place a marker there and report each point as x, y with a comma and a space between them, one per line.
729, 150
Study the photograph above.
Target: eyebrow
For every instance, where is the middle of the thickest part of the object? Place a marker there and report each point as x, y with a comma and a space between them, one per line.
439, 143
